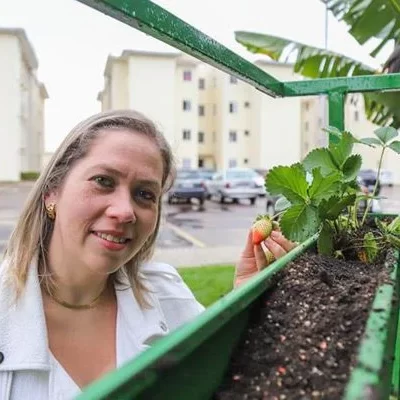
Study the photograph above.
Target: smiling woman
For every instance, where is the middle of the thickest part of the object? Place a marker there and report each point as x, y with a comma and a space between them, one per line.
78, 293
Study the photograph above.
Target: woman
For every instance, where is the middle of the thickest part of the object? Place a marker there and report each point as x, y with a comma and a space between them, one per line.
77, 295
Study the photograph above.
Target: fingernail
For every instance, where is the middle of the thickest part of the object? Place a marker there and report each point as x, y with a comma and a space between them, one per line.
274, 234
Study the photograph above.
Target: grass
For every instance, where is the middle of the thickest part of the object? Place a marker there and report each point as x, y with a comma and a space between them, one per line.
209, 283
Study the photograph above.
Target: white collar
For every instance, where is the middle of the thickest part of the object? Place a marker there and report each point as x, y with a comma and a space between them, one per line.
23, 333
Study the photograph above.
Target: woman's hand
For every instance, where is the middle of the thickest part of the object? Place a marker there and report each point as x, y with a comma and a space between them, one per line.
254, 259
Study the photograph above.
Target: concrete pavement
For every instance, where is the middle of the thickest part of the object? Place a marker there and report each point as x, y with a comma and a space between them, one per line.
198, 256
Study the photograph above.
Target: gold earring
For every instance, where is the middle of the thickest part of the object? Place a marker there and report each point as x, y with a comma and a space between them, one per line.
51, 211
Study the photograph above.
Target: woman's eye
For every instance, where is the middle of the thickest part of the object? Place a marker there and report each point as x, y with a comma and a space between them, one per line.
104, 181
146, 195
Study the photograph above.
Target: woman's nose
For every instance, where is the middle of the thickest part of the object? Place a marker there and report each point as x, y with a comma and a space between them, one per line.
122, 209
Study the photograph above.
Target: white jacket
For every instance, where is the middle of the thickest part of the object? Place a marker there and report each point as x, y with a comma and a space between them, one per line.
25, 367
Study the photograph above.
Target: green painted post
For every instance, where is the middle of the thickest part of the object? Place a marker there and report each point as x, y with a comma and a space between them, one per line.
336, 112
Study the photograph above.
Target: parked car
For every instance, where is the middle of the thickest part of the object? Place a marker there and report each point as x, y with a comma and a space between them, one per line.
367, 179
189, 184
386, 177
206, 174
235, 184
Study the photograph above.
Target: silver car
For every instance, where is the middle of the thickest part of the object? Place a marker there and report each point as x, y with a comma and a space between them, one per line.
235, 184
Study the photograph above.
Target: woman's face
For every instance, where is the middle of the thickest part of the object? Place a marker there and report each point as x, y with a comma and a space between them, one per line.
107, 206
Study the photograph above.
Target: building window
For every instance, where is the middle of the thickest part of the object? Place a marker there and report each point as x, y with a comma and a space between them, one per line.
201, 163
201, 110
233, 107
246, 104
187, 76
214, 109
186, 105
202, 84
246, 133
201, 137
186, 163
306, 105
356, 116
233, 80
186, 134
214, 137
306, 126
246, 160
232, 136
232, 163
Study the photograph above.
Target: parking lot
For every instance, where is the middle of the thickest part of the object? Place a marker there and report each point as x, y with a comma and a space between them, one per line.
182, 225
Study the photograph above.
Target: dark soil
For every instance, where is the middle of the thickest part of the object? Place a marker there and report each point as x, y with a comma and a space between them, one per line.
303, 340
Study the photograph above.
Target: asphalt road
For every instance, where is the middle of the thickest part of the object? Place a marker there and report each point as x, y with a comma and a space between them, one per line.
182, 225
225, 225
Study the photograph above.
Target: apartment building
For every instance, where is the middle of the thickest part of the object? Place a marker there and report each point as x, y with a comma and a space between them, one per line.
22, 102
210, 118
214, 120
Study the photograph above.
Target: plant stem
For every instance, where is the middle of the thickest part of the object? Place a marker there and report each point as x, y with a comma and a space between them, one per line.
375, 187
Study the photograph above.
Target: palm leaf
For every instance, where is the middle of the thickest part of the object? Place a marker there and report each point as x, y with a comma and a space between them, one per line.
312, 62
368, 19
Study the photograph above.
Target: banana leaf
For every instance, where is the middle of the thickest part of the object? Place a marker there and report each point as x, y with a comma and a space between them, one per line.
312, 62
379, 19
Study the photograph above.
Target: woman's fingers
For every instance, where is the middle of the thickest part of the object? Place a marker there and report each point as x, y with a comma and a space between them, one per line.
274, 247
261, 259
282, 241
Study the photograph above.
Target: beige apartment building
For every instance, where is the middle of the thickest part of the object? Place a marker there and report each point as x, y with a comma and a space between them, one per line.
22, 99
210, 118
214, 120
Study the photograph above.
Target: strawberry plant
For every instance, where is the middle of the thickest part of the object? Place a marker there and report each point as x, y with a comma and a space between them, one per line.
322, 195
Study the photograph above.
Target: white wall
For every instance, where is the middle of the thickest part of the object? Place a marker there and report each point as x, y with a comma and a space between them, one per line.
10, 164
152, 91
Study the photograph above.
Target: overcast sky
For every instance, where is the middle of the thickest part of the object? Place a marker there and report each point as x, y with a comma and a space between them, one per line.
72, 42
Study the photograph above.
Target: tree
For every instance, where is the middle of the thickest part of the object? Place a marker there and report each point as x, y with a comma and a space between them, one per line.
366, 19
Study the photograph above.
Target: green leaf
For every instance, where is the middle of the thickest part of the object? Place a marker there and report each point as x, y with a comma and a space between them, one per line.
382, 226
332, 130
370, 142
325, 240
342, 150
394, 240
299, 222
320, 158
386, 133
331, 208
395, 146
289, 182
323, 187
282, 204
378, 19
370, 246
310, 61
394, 226
351, 167
381, 108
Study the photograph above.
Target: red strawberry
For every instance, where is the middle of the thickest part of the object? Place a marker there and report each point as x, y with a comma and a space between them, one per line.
261, 229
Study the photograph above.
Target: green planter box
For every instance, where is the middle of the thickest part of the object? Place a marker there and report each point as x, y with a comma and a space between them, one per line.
191, 362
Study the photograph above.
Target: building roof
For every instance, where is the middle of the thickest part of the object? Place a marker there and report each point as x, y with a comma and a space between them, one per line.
28, 52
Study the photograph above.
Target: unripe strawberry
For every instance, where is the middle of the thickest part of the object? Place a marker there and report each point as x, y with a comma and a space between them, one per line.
269, 256
261, 229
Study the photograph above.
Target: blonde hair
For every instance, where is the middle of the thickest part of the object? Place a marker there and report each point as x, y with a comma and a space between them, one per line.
32, 233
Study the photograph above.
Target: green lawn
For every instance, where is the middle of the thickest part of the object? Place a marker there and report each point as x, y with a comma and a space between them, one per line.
208, 283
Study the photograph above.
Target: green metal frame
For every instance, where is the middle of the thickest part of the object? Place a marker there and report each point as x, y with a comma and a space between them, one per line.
149, 367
